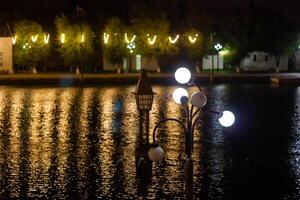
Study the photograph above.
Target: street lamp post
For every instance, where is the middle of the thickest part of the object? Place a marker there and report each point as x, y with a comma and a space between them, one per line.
193, 106
218, 47
144, 99
131, 48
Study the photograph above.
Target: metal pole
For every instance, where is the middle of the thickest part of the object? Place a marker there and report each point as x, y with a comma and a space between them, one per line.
141, 125
189, 179
218, 57
147, 127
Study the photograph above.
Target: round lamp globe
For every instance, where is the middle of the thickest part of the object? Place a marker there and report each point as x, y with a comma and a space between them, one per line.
227, 119
156, 154
178, 94
183, 75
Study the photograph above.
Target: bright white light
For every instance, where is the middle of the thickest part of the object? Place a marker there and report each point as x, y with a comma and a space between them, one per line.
179, 93
156, 154
183, 75
227, 119
198, 99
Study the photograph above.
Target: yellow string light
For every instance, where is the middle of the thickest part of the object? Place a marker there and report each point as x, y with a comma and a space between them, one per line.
62, 38
34, 38
14, 39
82, 39
105, 38
129, 41
193, 39
152, 41
173, 41
46, 38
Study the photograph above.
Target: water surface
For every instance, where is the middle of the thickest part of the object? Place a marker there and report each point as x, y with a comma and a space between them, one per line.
80, 143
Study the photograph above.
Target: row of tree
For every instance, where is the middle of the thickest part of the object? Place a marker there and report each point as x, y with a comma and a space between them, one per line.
258, 31
87, 50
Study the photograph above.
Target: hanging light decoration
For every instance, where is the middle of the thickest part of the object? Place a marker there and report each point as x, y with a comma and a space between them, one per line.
62, 38
173, 41
82, 38
105, 38
14, 39
34, 38
46, 38
193, 39
153, 40
127, 40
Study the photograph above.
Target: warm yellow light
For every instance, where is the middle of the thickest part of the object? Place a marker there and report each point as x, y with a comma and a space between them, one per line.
46, 38
152, 41
62, 38
129, 41
173, 41
193, 39
14, 39
82, 39
34, 38
105, 38
224, 53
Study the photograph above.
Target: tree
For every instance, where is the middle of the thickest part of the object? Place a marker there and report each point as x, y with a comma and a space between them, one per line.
153, 37
275, 35
76, 42
31, 44
236, 34
115, 49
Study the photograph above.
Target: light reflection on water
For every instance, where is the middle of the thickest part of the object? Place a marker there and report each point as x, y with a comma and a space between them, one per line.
79, 143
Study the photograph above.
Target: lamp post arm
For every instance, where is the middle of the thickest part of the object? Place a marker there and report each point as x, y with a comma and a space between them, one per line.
165, 120
200, 116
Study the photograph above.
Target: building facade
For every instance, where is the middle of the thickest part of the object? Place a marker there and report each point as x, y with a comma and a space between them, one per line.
6, 57
261, 61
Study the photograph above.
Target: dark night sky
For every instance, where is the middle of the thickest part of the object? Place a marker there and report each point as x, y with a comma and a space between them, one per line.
44, 8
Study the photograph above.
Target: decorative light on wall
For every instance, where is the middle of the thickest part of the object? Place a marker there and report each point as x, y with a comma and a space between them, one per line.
82, 38
129, 41
46, 38
62, 38
193, 39
105, 38
14, 39
153, 40
34, 38
173, 41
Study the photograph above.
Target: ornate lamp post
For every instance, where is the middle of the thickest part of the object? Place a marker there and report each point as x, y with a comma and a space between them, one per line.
144, 99
193, 105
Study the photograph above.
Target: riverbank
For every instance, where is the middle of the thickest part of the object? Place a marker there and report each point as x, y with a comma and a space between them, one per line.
132, 78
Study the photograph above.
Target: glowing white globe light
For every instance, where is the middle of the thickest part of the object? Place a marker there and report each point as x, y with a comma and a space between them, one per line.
179, 93
227, 119
198, 99
156, 154
183, 75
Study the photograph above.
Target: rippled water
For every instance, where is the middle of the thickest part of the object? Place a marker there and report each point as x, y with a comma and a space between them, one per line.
80, 143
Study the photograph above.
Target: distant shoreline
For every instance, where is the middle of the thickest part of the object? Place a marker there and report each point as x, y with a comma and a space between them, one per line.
61, 79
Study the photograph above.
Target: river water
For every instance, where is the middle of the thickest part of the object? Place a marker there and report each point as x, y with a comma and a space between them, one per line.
80, 143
